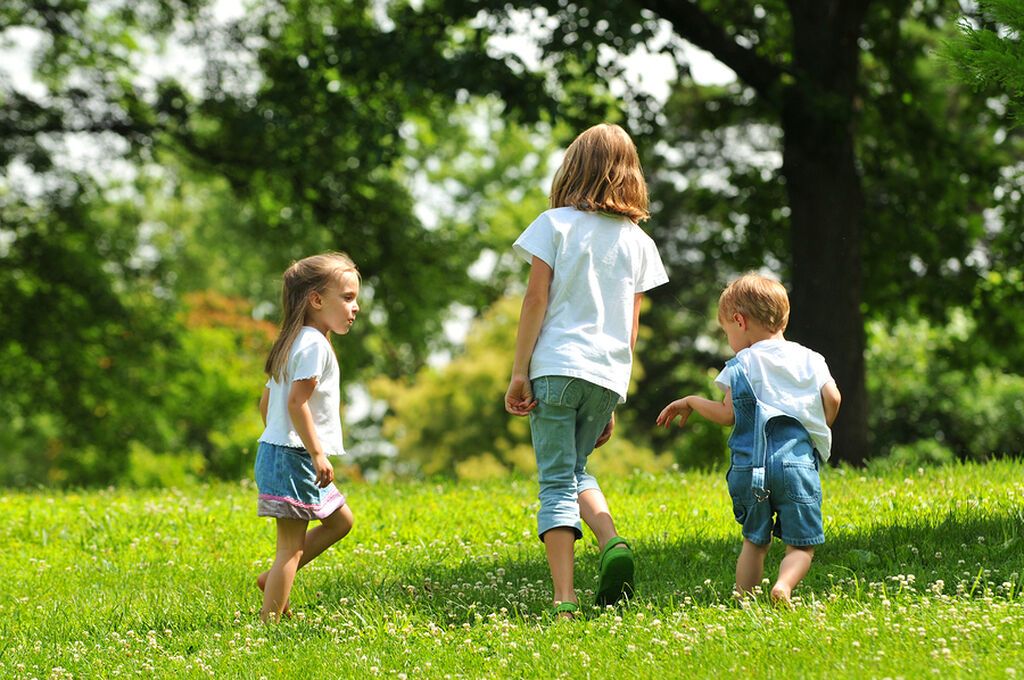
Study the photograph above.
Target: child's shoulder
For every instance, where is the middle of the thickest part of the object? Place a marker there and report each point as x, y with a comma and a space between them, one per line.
783, 355
565, 215
309, 337
571, 215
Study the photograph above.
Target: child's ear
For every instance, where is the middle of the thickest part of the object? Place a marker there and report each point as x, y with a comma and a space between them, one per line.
740, 320
315, 300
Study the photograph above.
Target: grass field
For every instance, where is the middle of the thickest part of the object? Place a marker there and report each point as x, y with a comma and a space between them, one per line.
920, 577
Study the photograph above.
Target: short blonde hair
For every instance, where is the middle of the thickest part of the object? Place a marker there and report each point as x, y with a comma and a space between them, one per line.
601, 173
756, 297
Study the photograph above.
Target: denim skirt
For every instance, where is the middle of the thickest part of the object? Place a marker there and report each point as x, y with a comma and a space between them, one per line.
287, 486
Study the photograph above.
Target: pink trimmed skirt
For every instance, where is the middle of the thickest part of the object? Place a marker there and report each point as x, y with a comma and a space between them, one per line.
287, 485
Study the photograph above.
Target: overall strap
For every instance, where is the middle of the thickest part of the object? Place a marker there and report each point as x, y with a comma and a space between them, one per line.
740, 386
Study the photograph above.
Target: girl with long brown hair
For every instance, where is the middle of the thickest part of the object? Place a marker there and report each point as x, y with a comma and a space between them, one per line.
301, 408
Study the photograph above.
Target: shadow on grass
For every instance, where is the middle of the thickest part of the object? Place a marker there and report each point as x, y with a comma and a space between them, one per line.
958, 548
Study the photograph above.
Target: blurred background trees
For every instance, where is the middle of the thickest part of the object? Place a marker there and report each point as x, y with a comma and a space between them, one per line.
165, 160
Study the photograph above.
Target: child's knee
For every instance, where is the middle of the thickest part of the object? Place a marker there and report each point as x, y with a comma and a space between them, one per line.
758, 548
806, 549
342, 522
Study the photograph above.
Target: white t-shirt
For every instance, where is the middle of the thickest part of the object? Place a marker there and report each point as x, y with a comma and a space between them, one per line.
788, 377
599, 263
310, 356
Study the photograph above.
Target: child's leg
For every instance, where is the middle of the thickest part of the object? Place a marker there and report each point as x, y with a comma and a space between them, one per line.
291, 534
750, 566
594, 511
332, 529
558, 544
794, 567
553, 428
593, 416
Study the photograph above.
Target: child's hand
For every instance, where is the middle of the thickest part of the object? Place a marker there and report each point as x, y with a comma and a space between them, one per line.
519, 399
324, 470
679, 408
606, 434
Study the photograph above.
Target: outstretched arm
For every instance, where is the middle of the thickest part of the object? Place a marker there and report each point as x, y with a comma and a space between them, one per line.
519, 397
716, 411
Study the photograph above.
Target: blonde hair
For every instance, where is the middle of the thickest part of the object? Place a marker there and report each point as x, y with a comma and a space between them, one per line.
757, 297
601, 172
308, 275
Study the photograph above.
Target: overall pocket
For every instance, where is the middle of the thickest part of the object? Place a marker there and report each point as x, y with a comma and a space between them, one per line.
738, 481
803, 484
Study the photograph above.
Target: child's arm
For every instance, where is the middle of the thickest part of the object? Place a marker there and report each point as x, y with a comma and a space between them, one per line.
264, 404
519, 399
715, 411
302, 419
830, 399
637, 301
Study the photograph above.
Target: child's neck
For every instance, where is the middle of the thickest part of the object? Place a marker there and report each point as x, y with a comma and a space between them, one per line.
756, 334
319, 325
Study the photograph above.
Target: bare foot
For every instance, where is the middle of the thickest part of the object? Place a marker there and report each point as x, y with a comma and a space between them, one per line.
780, 596
261, 583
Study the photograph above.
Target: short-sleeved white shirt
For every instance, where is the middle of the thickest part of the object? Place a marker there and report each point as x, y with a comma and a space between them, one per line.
788, 376
599, 263
310, 356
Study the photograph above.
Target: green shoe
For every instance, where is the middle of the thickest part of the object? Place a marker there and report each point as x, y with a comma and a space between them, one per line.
616, 569
565, 610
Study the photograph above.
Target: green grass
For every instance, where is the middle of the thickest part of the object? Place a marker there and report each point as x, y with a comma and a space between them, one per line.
920, 576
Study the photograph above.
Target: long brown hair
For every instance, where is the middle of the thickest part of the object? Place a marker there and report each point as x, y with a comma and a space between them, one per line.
308, 275
601, 172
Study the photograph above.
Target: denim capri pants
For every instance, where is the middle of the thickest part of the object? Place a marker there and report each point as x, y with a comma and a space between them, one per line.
570, 415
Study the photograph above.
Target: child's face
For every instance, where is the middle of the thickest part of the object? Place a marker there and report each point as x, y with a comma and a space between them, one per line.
735, 326
336, 308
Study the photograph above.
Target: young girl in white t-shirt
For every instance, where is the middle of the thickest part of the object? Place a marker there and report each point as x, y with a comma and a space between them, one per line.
301, 410
589, 266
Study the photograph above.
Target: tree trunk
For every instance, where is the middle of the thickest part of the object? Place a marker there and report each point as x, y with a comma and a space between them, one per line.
826, 204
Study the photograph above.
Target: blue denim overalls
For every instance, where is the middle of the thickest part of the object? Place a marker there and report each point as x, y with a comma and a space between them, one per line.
773, 471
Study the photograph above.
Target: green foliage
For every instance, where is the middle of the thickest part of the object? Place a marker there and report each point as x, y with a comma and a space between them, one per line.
97, 364
923, 393
990, 50
80, 333
453, 420
212, 398
147, 469
440, 579
923, 452
395, 131
442, 418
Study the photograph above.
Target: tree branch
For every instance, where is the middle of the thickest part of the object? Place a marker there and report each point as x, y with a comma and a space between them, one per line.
694, 24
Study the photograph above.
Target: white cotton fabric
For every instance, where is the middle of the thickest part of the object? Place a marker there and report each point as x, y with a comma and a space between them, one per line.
788, 377
599, 263
310, 356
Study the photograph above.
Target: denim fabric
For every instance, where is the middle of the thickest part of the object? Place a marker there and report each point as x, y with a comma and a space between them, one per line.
773, 477
287, 486
570, 415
